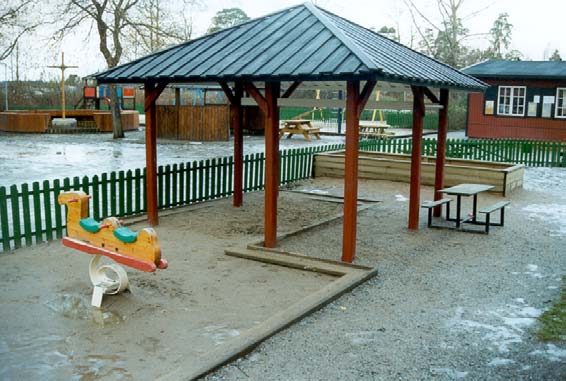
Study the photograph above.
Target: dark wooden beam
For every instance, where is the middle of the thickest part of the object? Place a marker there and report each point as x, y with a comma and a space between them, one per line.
351, 171
237, 113
272, 91
257, 96
291, 89
415, 187
228, 93
151, 94
441, 148
364, 96
155, 92
430, 95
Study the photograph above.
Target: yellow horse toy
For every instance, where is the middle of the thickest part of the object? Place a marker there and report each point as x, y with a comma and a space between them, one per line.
109, 238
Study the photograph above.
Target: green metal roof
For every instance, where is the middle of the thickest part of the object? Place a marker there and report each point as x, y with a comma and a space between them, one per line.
518, 69
301, 43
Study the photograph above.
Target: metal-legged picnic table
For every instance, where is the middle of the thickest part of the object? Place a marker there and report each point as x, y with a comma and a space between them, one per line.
466, 190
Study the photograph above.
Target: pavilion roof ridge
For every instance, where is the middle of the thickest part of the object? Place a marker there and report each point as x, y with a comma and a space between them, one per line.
300, 43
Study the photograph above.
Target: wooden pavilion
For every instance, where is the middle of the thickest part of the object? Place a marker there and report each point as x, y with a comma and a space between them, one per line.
280, 52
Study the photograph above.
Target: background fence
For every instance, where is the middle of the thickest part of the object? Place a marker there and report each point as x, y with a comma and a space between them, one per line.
31, 214
402, 119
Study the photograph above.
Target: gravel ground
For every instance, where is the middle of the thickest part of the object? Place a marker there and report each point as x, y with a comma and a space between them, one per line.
446, 305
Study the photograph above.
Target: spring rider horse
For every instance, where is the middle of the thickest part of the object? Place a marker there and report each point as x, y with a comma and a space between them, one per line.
109, 238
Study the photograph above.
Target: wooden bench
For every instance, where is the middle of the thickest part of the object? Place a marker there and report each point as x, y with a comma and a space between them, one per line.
430, 205
375, 135
492, 208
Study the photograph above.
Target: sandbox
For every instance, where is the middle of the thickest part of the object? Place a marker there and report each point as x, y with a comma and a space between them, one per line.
178, 323
397, 167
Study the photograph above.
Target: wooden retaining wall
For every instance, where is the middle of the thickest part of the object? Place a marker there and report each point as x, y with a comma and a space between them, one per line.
39, 121
393, 167
200, 123
24, 122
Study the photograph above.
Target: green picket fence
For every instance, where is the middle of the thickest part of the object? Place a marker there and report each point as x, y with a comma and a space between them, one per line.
401, 119
30, 215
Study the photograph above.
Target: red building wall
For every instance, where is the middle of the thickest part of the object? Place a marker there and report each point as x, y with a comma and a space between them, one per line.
505, 127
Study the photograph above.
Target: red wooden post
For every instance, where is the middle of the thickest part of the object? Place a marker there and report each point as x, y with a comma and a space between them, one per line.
415, 189
237, 125
351, 171
272, 91
441, 148
151, 154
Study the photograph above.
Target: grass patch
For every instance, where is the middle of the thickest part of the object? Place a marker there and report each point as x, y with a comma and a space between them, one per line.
553, 321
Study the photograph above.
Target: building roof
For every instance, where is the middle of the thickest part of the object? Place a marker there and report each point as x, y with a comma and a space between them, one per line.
518, 69
301, 43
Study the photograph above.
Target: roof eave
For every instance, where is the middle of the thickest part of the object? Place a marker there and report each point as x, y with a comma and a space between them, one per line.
364, 76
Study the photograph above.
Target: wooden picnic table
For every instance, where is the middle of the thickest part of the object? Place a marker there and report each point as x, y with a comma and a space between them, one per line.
374, 129
299, 126
466, 190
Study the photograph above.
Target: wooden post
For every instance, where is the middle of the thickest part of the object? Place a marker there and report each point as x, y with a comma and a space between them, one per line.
177, 110
415, 188
151, 94
351, 171
441, 148
272, 91
61, 67
237, 126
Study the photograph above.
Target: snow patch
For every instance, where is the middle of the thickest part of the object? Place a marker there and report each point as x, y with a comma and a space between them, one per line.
553, 214
401, 198
501, 328
532, 267
219, 333
451, 373
499, 362
551, 353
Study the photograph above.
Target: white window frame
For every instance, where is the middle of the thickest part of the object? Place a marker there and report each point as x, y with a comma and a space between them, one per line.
563, 108
513, 97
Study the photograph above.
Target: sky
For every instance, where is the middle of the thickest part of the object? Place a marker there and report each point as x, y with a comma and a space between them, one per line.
538, 28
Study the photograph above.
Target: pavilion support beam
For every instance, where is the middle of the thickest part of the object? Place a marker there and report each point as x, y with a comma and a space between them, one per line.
257, 96
355, 103
351, 171
236, 122
151, 94
272, 90
415, 187
291, 89
441, 148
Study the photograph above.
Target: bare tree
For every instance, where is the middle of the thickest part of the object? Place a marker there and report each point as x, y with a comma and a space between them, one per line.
443, 40
156, 24
15, 21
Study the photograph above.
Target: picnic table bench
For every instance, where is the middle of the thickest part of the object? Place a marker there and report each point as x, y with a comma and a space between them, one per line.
372, 129
299, 126
467, 190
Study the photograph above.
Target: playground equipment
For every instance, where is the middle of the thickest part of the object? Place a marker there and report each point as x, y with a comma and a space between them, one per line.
109, 238
63, 121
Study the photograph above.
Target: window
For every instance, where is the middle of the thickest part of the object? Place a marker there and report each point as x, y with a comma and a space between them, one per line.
560, 110
511, 100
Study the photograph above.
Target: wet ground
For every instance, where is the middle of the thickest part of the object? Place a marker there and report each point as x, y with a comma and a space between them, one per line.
25, 158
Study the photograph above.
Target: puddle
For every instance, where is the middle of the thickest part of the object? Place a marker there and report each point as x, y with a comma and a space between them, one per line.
30, 357
25, 357
76, 307
96, 367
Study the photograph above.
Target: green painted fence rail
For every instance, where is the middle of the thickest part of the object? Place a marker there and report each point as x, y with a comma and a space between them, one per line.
31, 214
395, 118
